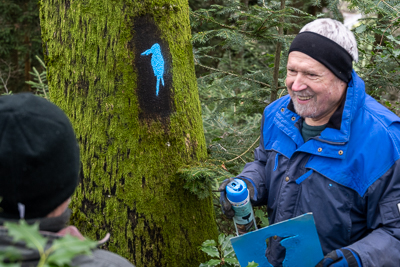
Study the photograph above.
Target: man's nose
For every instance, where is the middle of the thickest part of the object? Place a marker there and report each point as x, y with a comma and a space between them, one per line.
299, 83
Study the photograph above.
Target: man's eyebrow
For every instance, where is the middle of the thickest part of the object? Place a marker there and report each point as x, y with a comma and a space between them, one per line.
314, 72
311, 72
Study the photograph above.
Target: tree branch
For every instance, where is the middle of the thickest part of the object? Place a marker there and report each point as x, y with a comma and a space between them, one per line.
8, 76
274, 92
240, 156
229, 73
250, 33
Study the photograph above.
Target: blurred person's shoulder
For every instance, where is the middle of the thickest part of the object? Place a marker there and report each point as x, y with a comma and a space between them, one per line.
101, 258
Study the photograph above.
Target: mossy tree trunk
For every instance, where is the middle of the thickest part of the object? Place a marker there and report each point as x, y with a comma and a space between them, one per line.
133, 139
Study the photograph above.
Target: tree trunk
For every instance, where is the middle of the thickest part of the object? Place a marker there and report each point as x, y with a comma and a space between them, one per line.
27, 63
277, 61
133, 134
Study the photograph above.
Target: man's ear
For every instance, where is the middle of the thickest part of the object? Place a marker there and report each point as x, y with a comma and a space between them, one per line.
344, 84
60, 209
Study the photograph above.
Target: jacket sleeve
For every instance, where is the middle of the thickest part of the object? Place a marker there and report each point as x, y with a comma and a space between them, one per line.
101, 258
255, 171
381, 247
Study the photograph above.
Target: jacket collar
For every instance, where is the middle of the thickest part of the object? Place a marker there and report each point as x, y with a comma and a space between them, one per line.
336, 119
355, 98
338, 128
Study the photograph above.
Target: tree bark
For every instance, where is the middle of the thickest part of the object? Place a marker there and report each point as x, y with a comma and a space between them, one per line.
27, 63
133, 138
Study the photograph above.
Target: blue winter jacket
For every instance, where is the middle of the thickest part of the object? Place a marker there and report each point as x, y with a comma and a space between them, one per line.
348, 176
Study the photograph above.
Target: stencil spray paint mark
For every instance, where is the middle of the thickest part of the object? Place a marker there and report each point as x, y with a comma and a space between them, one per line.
152, 57
157, 63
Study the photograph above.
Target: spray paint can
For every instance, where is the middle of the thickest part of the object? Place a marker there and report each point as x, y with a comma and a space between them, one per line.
238, 195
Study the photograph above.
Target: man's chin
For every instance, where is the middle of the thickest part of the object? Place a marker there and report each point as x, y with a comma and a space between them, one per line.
304, 112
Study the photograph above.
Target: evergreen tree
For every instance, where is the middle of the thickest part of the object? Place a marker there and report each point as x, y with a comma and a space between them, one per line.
20, 42
123, 72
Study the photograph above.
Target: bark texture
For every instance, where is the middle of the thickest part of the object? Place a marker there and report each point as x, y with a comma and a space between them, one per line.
132, 141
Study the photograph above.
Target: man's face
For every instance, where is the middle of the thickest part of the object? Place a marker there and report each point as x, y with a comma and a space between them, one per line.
315, 91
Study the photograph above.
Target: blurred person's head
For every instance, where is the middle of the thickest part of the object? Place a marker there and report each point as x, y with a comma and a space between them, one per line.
39, 158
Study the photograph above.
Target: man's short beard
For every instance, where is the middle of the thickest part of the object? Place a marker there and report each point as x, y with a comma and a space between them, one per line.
304, 111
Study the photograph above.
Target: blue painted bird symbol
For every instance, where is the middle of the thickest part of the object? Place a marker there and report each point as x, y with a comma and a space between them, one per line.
157, 63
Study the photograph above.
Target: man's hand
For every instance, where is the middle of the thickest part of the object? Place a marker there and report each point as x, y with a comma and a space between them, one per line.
340, 258
225, 204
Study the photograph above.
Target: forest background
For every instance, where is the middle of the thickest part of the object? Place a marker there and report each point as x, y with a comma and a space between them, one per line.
240, 49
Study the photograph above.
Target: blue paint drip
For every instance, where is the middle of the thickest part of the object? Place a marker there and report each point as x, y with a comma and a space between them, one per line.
276, 161
157, 63
303, 248
304, 176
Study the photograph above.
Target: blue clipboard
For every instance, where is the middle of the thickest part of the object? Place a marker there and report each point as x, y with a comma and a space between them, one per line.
303, 248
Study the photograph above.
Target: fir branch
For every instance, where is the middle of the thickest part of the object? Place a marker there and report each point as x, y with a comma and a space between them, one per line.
200, 178
232, 74
249, 33
391, 53
211, 19
240, 156
5, 82
391, 7
280, 95
383, 34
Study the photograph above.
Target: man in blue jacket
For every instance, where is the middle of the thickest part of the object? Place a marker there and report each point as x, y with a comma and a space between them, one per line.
330, 149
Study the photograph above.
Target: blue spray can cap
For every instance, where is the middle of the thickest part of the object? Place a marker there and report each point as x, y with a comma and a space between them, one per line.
236, 191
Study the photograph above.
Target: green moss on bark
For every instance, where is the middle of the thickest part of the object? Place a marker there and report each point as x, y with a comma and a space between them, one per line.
129, 185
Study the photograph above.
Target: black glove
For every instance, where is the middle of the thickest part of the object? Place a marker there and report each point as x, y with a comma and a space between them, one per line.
340, 258
225, 204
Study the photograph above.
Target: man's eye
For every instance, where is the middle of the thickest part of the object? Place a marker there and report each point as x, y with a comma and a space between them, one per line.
312, 75
291, 71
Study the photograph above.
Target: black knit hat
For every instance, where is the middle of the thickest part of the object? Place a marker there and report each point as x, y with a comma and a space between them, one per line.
327, 52
39, 156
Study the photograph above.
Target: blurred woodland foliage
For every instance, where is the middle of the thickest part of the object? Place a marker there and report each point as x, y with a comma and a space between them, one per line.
20, 42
